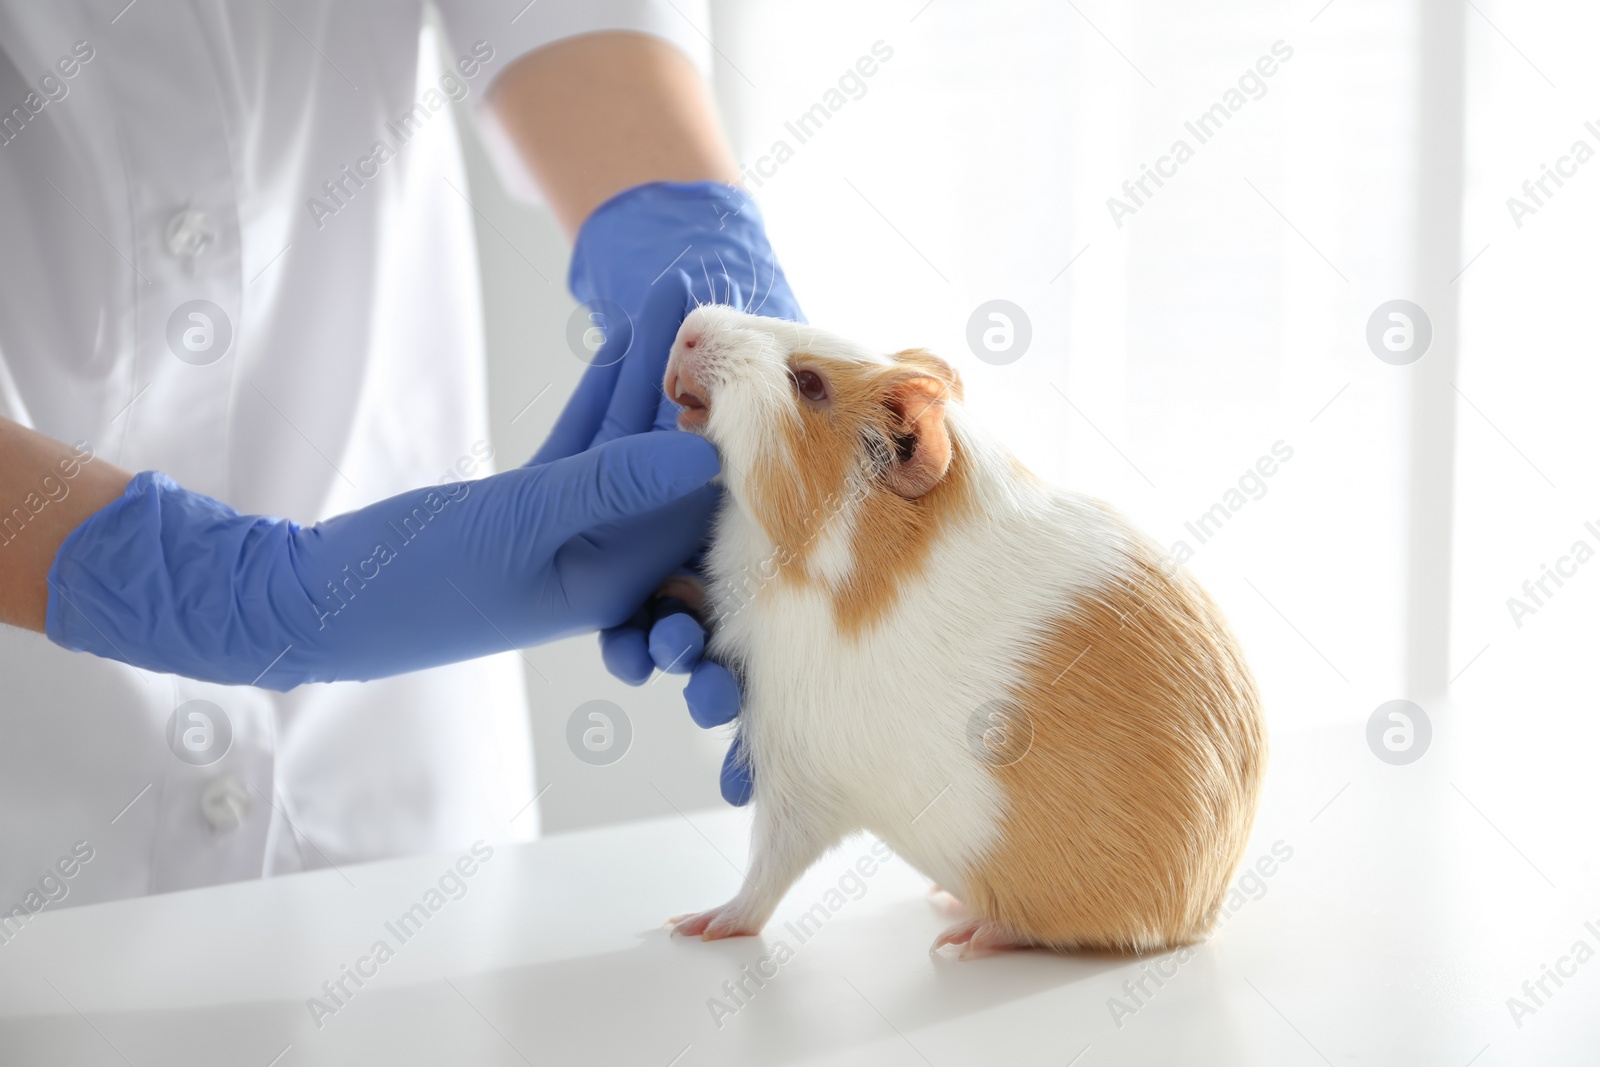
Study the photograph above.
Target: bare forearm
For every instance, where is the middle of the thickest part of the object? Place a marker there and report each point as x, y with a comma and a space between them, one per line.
597, 114
46, 490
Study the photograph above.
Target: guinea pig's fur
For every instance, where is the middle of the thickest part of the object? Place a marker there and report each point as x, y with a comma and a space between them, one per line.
1002, 680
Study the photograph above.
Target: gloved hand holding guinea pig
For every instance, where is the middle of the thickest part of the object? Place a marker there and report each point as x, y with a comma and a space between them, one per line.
1002, 680
641, 262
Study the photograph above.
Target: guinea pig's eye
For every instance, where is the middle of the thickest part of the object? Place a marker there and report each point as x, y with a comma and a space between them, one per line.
810, 384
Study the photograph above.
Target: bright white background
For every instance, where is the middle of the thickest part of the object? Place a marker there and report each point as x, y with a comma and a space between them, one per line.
1423, 902
1170, 353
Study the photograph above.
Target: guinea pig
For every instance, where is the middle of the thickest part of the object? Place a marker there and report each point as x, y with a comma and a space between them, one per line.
1003, 680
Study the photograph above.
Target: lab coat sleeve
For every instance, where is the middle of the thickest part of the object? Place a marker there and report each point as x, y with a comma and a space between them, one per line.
510, 30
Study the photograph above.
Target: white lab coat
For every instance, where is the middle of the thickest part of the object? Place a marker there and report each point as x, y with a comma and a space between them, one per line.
228, 152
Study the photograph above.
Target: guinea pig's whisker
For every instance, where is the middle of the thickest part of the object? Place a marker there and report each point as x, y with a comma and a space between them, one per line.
711, 285
725, 277
771, 393
755, 283
770, 279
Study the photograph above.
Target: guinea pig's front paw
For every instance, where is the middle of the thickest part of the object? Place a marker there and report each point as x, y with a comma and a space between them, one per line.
729, 920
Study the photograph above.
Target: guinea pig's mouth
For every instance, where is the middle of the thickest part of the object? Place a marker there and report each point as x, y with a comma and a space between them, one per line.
680, 389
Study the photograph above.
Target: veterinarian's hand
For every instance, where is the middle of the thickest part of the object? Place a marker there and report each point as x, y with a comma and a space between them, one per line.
174, 581
706, 235
643, 260
664, 635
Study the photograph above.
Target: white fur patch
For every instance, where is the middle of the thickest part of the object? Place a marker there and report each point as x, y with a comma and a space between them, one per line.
829, 559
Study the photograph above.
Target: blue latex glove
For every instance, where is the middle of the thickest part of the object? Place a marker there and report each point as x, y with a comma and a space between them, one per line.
177, 582
705, 241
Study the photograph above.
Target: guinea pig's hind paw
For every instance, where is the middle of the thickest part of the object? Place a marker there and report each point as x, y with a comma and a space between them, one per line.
712, 925
979, 938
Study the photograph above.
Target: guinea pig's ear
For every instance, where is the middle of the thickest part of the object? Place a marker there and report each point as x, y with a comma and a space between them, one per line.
921, 445
920, 359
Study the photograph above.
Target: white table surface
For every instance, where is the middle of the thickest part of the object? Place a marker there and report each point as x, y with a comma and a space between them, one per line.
1417, 900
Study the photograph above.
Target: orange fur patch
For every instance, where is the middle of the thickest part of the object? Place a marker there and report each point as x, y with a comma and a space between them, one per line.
1130, 811
891, 541
806, 483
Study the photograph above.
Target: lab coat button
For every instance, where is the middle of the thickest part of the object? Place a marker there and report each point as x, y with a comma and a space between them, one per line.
224, 802
188, 234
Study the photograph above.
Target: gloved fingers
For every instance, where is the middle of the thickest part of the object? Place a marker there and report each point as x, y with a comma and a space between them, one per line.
712, 695
580, 420
636, 400
626, 654
676, 643
618, 480
737, 781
